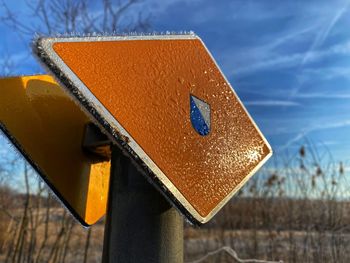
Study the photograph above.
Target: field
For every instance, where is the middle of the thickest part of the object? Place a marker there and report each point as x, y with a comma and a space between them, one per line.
294, 236
251, 235
295, 213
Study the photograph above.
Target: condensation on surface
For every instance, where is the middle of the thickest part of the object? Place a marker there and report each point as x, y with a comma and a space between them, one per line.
146, 86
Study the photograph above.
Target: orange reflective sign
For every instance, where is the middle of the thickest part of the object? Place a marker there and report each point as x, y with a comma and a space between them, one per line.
166, 102
47, 127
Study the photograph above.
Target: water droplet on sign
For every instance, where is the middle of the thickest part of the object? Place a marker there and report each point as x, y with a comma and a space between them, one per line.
181, 80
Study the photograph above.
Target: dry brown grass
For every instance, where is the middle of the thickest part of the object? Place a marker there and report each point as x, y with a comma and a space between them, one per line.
261, 222
297, 211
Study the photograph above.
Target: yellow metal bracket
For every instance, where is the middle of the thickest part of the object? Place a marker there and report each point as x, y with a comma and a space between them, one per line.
48, 128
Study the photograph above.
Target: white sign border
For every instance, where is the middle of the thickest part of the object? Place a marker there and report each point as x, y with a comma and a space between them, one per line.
44, 47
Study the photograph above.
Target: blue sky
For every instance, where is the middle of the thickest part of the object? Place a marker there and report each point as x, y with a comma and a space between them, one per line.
289, 61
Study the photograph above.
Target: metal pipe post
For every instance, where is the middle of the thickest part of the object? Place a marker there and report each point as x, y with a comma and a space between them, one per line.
141, 226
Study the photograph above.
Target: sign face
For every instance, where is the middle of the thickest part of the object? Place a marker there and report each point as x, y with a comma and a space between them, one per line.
166, 103
47, 127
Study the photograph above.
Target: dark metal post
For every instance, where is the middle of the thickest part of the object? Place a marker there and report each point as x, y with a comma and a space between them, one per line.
141, 226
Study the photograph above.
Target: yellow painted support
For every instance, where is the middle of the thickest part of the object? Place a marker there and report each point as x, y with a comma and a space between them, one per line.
48, 128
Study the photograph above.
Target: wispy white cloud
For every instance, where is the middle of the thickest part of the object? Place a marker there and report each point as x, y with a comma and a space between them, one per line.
320, 38
318, 144
295, 59
309, 76
316, 127
325, 73
271, 52
324, 95
264, 55
237, 10
269, 103
323, 34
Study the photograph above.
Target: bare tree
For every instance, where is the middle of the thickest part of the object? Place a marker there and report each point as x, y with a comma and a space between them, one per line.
7, 65
78, 16
53, 17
